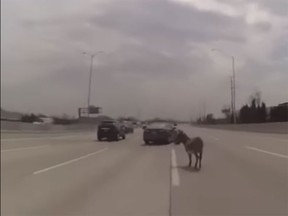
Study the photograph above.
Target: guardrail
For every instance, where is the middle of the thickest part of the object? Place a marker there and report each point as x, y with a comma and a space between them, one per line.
10, 126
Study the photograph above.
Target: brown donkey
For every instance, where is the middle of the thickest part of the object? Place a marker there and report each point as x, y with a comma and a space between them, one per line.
192, 146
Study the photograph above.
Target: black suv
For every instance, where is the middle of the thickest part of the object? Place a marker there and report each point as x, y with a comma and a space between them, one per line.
110, 130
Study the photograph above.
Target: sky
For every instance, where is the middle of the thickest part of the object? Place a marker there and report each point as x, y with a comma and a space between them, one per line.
156, 61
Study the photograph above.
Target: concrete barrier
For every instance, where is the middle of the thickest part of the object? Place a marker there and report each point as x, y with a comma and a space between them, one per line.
7, 126
275, 127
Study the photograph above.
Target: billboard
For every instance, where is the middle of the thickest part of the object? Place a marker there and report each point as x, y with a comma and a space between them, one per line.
94, 110
91, 110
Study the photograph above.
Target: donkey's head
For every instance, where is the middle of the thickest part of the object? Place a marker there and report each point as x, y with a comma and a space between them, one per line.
180, 137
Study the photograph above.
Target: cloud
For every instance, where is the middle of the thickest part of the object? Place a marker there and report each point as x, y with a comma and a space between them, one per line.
157, 55
158, 20
278, 7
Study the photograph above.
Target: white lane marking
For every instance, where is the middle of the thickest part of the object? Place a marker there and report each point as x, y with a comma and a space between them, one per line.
213, 137
38, 138
68, 136
267, 152
174, 171
26, 148
68, 162
269, 137
277, 139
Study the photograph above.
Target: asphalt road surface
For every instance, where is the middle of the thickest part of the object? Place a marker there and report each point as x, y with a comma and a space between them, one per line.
73, 174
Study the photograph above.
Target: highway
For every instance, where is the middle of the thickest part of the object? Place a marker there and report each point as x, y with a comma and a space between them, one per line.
243, 174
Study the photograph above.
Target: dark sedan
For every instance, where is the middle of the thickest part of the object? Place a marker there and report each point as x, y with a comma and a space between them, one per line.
159, 133
111, 130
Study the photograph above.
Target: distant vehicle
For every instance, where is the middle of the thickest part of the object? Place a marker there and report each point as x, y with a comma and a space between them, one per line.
129, 127
136, 124
159, 132
144, 125
111, 130
46, 120
38, 123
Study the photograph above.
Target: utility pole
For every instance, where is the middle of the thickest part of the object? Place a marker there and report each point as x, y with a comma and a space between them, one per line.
232, 100
234, 90
204, 110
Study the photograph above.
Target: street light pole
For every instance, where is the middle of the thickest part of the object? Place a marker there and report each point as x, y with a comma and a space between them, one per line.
91, 55
90, 78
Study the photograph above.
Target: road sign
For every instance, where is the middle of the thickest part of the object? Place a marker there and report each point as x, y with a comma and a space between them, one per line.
91, 110
94, 110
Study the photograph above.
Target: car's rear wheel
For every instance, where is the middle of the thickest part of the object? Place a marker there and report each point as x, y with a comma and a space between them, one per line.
124, 136
99, 137
168, 140
116, 137
147, 142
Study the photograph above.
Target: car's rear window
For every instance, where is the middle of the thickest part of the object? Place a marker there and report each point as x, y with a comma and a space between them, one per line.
108, 122
158, 126
108, 126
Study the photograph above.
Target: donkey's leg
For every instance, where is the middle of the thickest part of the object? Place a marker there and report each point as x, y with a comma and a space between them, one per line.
190, 159
197, 159
200, 159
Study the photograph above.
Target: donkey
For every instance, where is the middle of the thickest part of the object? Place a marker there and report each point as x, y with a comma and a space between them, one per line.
192, 146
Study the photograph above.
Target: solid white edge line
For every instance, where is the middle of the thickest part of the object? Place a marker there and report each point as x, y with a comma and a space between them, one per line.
19, 149
267, 152
175, 179
68, 162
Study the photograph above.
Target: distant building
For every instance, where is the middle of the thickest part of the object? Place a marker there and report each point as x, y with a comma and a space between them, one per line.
277, 113
283, 104
10, 116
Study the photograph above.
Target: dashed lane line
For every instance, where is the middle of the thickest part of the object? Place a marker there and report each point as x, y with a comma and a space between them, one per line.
68, 162
267, 152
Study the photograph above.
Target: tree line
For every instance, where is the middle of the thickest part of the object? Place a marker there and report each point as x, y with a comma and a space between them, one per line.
257, 112
254, 112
